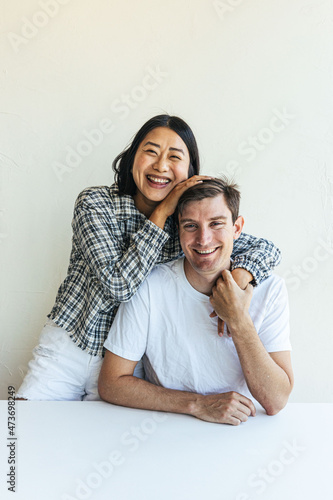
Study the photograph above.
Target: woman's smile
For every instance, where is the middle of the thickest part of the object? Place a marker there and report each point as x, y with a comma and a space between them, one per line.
161, 162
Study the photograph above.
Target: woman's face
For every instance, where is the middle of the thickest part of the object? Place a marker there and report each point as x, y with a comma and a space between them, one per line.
161, 161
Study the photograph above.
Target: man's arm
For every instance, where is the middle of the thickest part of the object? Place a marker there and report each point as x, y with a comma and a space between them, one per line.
117, 385
268, 376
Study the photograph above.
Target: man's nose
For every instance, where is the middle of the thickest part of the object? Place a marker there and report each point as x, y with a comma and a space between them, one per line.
203, 236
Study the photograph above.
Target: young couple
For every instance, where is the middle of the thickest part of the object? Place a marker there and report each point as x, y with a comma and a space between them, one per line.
120, 233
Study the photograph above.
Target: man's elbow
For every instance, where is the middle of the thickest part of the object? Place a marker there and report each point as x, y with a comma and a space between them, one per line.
274, 409
102, 391
274, 406
106, 390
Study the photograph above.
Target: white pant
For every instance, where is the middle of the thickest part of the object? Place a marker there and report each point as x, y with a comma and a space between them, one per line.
59, 370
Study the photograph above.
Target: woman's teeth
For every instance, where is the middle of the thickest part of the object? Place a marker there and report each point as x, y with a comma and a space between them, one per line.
158, 180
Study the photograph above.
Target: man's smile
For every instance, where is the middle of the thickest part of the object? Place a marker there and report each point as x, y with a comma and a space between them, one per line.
208, 251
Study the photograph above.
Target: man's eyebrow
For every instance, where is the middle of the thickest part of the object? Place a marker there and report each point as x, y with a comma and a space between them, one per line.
158, 146
186, 220
217, 217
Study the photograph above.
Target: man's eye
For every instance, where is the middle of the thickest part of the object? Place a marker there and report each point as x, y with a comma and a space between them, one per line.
190, 226
217, 224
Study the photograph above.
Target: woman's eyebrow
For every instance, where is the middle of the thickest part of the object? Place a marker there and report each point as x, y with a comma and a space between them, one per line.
158, 146
153, 144
176, 149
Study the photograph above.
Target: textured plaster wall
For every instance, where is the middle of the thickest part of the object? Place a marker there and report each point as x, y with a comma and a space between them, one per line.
253, 79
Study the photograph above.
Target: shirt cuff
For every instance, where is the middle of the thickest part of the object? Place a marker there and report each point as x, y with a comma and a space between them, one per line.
254, 267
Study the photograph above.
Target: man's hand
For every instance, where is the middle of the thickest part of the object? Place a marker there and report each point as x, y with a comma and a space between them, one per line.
228, 408
242, 278
117, 385
229, 301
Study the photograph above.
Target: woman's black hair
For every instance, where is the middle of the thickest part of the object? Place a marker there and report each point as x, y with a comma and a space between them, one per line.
123, 163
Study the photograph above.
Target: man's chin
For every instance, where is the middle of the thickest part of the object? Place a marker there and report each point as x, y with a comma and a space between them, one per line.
209, 267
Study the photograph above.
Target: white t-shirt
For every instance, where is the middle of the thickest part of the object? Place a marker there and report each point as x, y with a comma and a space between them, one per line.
167, 323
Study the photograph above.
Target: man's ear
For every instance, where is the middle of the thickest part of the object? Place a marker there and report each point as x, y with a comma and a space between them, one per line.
238, 226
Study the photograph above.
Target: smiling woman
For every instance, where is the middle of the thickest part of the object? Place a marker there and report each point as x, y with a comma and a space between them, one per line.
161, 162
119, 234
123, 163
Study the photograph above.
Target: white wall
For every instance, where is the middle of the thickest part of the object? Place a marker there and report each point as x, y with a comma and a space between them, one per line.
229, 68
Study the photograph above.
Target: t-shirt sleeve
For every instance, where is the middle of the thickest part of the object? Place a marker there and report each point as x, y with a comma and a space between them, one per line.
275, 329
129, 331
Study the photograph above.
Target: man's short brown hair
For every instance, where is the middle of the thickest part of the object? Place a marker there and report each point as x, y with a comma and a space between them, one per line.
211, 188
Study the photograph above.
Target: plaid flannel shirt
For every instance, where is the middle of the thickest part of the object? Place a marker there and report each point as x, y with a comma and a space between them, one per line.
114, 248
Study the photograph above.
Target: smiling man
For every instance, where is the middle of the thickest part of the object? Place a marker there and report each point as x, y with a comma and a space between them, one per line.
169, 324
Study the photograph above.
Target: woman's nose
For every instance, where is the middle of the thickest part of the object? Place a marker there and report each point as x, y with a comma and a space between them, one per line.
161, 165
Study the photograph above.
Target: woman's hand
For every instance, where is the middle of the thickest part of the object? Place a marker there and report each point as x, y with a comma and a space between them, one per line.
169, 204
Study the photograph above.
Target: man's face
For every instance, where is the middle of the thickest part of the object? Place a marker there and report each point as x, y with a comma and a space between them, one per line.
207, 235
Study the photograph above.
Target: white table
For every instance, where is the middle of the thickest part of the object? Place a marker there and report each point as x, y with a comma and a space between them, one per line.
93, 450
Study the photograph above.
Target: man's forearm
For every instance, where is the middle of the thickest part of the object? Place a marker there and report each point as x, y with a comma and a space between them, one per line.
268, 382
127, 390
134, 392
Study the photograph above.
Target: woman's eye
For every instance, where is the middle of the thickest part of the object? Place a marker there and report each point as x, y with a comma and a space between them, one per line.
175, 157
150, 151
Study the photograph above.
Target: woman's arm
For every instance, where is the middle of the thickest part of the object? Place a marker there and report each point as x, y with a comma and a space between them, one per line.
120, 262
257, 255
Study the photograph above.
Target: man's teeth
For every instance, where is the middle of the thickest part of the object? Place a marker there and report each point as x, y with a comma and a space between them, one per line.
210, 250
158, 180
